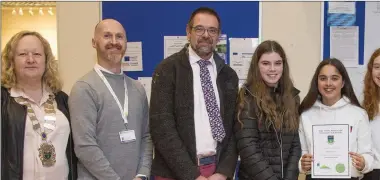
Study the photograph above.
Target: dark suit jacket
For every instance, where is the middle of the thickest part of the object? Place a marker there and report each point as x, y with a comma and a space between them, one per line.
172, 118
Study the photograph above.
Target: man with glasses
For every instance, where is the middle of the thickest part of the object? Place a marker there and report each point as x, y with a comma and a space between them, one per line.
192, 107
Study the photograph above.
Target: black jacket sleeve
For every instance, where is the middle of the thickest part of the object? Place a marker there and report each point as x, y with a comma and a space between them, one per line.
292, 171
62, 102
228, 160
163, 129
228, 157
253, 162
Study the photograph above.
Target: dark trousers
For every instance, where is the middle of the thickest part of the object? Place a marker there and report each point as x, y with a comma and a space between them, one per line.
373, 175
308, 177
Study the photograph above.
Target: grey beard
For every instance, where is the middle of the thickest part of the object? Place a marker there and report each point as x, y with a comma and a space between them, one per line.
203, 51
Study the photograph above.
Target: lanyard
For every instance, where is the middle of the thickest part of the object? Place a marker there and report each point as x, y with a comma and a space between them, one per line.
124, 113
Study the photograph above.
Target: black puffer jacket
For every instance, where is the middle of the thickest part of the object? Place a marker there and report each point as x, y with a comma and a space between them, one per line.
260, 148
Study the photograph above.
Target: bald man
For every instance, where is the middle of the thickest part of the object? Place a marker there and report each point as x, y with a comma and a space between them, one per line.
109, 114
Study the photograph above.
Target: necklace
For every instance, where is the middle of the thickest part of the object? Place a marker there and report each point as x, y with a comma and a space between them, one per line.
46, 150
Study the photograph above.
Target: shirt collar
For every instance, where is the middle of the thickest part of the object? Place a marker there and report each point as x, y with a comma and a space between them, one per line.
17, 92
106, 70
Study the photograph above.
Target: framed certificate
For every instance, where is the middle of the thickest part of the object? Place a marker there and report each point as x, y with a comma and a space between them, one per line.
330, 151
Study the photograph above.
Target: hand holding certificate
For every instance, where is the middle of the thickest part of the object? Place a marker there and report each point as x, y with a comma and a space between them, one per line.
306, 161
357, 161
331, 151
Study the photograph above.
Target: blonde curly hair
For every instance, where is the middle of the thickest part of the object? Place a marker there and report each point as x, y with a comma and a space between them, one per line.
8, 76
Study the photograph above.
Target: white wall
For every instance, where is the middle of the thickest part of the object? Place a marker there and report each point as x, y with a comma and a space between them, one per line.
76, 22
296, 26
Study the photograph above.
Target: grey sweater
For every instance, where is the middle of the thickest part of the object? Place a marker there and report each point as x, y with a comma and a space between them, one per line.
96, 123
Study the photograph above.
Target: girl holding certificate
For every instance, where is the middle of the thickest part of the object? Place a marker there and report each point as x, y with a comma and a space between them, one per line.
267, 127
371, 104
331, 100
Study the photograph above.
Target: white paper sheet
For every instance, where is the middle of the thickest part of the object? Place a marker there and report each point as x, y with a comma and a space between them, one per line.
147, 83
330, 157
241, 51
344, 44
133, 57
372, 29
342, 7
173, 44
221, 47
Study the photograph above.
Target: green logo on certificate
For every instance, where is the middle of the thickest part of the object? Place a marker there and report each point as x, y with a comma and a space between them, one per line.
324, 167
340, 168
330, 139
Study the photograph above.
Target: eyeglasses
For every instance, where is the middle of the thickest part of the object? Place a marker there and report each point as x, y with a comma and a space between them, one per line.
200, 30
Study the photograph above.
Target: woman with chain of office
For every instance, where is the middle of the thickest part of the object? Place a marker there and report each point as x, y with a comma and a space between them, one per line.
36, 138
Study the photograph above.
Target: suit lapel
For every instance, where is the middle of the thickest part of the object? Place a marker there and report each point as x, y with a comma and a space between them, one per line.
220, 85
186, 94
225, 123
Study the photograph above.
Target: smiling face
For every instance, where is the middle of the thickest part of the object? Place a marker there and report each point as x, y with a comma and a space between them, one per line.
110, 41
376, 71
203, 34
330, 84
271, 67
29, 59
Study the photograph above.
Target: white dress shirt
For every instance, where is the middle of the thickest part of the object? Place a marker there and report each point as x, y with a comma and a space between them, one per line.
33, 168
205, 143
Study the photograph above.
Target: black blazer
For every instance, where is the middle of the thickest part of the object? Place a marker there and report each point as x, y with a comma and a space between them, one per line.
13, 117
172, 118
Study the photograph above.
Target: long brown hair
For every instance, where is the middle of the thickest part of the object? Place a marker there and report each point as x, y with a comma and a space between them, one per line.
371, 90
313, 93
277, 111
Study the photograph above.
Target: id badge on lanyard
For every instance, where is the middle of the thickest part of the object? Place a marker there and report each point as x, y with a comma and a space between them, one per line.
125, 135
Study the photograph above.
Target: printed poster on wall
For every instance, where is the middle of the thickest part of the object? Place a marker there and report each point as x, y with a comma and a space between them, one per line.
241, 52
221, 47
133, 57
173, 44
